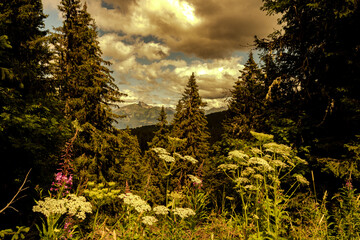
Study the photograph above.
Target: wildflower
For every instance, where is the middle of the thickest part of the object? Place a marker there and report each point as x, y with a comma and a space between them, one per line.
301, 179
73, 205
195, 179
258, 176
159, 151
77, 206
262, 162
256, 151
111, 184
161, 210
50, 206
279, 163
247, 171
136, 202
300, 160
241, 180
250, 187
228, 167
190, 159
176, 195
262, 137
149, 220
278, 148
167, 158
183, 212
237, 154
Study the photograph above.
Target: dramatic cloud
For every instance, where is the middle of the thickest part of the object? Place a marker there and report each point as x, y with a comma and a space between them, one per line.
155, 45
206, 28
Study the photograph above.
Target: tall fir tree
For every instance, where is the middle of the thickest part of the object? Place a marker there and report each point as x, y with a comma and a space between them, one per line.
246, 105
88, 91
161, 135
190, 123
33, 129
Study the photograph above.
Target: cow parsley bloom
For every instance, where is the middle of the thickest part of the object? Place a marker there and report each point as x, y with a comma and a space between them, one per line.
184, 212
190, 159
149, 220
237, 154
161, 210
228, 167
195, 179
136, 202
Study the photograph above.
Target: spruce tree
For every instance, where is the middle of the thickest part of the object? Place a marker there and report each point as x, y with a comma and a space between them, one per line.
246, 105
161, 135
88, 91
190, 123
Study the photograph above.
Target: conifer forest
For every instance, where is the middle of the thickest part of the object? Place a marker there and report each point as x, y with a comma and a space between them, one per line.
282, 163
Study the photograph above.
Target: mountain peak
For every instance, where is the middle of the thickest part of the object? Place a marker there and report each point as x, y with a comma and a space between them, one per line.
143, 105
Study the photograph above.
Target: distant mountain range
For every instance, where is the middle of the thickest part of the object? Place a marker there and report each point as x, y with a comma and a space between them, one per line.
141, 114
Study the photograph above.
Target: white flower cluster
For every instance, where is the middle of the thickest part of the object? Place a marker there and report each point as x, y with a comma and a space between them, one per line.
247, 172
149, 220
278, 148
190, 159
241, 180
262, 137
136, 202
77, 206
163, 154
228, 167
73, 205
262, 162
237, 154
159, 150
51, 206
161, 210
194, 179
184, 212
279, 163
167, 158
301, 179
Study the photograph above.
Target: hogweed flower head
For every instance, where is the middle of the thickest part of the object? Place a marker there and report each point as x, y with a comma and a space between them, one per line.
167, 158
237, 154
161, 210
190, 159
159, 151
136, 202
149, 220
195, 180
228, 167
184, 212
301, 179
278, 148
72, 205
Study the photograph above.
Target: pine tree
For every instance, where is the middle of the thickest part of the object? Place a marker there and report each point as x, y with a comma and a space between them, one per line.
246, 105
161, 136
190, 122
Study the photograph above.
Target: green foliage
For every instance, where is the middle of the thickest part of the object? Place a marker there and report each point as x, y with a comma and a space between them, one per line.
312, 72
246, 106
190, 123
347, 213
259, 175
18, 234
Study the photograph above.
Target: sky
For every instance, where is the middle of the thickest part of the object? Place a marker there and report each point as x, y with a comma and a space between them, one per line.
155, 45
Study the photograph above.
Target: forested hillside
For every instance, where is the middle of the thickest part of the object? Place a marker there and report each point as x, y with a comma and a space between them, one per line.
282, 162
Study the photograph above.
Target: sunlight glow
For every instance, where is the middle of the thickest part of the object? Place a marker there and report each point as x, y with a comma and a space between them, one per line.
185, 9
